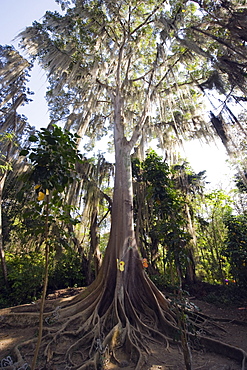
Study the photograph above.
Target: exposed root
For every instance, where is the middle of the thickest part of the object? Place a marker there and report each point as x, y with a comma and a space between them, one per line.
106, 324
225, 350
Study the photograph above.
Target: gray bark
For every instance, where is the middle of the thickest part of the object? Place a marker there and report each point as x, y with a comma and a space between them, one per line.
2, 254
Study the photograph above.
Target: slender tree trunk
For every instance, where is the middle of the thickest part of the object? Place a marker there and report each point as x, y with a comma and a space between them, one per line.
45, 284
215, 242
190, 268
94, 246
2, 255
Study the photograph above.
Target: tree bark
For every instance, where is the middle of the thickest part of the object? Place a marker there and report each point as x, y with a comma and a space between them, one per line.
94, 254
190, 276
122, 236
2, 254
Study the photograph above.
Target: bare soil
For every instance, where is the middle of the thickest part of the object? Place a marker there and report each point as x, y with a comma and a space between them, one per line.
227, 324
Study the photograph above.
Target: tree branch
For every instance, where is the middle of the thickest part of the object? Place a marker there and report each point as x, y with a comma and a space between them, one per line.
219, 40
147, 19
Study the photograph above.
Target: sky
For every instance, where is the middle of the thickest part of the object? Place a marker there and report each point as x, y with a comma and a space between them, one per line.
15, 16
18, 14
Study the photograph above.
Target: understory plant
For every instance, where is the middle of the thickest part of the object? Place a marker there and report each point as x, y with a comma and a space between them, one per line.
236, 247
53, 159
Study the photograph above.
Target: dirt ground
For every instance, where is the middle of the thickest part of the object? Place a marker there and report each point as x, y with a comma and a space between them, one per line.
229, 325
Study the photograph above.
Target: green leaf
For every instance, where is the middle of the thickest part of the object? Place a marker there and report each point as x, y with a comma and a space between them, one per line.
24, 152
33, 138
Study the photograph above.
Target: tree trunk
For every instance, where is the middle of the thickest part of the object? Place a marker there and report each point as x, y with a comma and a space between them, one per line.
94, 254
2, 255
190, 276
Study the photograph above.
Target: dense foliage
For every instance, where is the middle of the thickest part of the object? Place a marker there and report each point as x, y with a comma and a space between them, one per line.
160, 217
161, 222
236, 247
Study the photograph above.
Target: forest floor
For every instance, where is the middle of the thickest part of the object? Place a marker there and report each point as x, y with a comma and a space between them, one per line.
228, 324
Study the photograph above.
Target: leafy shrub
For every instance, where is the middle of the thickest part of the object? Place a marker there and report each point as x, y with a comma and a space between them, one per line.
228, 295
67, 272
24, 278
236, 249
160, 281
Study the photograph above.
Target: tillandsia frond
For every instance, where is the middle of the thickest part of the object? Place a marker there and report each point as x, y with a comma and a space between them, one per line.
14, 93
95, 49
14, 73
12, 65
213, 33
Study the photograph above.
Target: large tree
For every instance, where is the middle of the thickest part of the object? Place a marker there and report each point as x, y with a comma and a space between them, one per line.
117, 65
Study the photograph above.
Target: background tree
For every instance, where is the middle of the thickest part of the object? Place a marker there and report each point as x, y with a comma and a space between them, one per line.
72, 258
211, 211
191, 185
96, 209
219, 48
13, 93
53, 170
236, 247
160, 217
